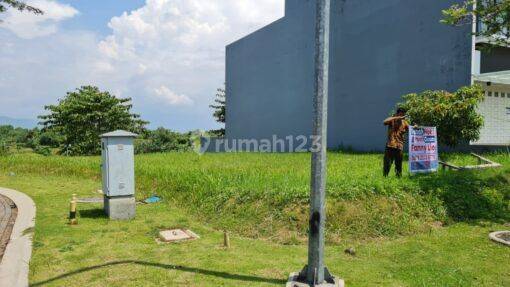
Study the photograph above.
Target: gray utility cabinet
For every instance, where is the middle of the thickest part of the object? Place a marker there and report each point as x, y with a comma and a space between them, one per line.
118, 173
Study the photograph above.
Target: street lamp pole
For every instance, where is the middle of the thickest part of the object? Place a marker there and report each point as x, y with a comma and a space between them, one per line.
316, 272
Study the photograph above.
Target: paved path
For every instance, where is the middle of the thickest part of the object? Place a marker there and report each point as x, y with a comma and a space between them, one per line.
16, 258
8, 212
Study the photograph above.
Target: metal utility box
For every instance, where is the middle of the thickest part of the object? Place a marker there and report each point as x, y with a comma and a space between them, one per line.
118, 163
118, 172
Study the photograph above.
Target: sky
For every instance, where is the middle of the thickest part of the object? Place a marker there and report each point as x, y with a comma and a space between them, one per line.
167, 55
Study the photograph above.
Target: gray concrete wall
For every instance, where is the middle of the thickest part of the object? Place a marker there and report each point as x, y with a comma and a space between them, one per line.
380, 50
269, 79
292, 5
495, 60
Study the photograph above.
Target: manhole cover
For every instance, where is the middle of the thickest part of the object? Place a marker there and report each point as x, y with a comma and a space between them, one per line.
177, 235
502, 237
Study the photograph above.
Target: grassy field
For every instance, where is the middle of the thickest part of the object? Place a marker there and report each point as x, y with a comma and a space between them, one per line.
99, 252
265, 195
418, 231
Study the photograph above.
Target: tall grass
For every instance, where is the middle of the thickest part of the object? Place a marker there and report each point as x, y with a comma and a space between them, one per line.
266, 195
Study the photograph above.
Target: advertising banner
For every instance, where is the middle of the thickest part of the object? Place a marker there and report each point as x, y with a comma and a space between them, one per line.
423, 153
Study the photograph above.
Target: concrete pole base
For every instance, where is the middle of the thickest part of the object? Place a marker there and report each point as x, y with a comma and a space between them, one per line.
294, 281
120, 207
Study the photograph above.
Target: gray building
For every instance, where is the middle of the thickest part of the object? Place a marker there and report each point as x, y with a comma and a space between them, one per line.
380, 50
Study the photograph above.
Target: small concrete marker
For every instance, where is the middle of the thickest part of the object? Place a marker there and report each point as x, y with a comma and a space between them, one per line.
226, 239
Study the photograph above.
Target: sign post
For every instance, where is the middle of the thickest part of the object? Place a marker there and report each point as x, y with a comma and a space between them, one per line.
315, 273
423, 152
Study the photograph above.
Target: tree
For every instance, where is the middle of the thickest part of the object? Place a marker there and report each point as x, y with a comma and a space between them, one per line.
48, 138
454, 114
162, 140
19, 5
14, 137
219, 109
494, 14
83, 115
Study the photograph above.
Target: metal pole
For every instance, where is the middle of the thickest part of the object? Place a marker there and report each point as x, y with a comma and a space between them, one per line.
316, 271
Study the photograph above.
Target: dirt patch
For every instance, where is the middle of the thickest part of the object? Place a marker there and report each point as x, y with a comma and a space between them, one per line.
8, 213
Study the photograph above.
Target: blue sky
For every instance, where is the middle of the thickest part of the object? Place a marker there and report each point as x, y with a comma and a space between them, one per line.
167, 55
95, 14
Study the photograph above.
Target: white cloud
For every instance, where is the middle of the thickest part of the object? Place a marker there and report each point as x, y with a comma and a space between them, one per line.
166, 43
28, 25
167, 96
181, 44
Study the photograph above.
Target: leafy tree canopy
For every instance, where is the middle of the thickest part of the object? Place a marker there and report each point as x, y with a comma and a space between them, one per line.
83, 115
219, 109
494, 14
454, 114
19, 5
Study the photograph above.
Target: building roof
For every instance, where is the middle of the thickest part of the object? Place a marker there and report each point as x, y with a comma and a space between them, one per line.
119, 133
496, 77
501, 41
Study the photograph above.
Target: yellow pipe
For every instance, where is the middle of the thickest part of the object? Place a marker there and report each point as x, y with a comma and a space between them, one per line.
72, 212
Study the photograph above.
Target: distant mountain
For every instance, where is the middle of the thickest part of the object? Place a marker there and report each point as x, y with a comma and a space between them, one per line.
22, 123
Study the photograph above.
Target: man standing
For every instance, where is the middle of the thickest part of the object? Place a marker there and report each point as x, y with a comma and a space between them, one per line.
397, 128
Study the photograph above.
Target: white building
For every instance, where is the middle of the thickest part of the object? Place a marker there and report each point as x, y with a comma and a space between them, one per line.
495, 108
491, 69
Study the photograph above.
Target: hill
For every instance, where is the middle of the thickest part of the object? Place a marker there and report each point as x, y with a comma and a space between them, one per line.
21, 123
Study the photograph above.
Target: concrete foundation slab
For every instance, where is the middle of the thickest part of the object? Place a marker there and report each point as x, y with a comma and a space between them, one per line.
293, 282
177, 235
120, 207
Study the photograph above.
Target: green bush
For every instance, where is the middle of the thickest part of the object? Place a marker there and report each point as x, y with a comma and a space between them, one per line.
50, 139
454, 114
43, 150
162, 140
15, 137
4, 148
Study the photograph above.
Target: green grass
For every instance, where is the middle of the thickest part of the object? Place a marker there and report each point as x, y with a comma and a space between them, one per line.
266, 195
99, 252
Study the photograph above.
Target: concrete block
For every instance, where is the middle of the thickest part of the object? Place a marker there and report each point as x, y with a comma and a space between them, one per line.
177, 235
294, 277
120, 207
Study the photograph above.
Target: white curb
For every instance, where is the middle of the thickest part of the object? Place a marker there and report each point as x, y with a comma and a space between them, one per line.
494, 237
16, 259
